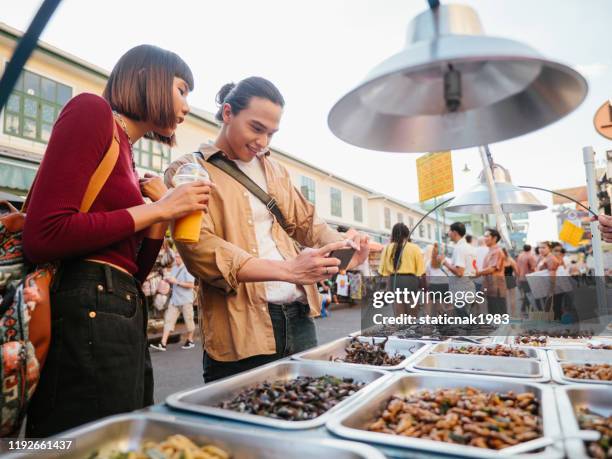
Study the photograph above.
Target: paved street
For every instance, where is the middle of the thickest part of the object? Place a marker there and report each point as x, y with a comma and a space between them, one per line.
178, 369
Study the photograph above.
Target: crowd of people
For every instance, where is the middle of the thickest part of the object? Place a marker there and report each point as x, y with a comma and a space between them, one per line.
483, 265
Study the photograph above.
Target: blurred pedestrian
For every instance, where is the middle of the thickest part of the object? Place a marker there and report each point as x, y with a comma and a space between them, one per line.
494, 283
402, 264
510, 273
181, 301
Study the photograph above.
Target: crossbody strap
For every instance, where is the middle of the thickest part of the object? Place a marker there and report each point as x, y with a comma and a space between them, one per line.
230, 168
97, 180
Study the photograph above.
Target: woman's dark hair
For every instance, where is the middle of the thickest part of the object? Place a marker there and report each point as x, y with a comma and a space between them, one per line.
239, 95
495, 234
140, 87
400, 234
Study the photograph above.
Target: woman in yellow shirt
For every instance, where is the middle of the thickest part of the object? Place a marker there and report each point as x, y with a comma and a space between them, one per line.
402, 263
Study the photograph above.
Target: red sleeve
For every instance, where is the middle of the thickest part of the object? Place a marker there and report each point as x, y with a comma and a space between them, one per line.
147, 255
54, 227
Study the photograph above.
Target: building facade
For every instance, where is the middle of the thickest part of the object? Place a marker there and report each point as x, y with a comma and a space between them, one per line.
52, 77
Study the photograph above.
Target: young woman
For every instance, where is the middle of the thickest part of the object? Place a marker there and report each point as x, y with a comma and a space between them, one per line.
402, 263
98, 363
257, 290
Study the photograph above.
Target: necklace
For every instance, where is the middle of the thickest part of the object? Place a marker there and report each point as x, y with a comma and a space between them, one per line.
119, 118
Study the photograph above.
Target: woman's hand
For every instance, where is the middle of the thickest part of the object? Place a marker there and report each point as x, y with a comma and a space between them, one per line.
313, 265
185, 199
152, 187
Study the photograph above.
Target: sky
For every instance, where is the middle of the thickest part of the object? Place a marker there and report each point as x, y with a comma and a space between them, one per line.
316, 51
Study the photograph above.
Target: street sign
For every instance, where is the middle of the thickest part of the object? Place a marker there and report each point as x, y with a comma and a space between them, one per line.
571, 234
603, 120
435, 175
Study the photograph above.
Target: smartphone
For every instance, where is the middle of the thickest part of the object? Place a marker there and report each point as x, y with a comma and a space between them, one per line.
344, 255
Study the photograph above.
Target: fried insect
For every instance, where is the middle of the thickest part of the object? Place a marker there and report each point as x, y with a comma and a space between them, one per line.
589, 420
596, 371
298, 399
172, 447
498, 350
541, 337
607, 347
369, 354
531, 340
466, 416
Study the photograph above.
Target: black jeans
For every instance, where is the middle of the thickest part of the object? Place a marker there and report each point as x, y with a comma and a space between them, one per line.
98, 362
294, 332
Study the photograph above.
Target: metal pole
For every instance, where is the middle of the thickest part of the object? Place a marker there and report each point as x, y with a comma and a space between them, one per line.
500, 218
24, 49
437, 222
591, 181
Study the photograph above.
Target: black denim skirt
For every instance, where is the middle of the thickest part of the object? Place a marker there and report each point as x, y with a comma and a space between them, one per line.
98, 362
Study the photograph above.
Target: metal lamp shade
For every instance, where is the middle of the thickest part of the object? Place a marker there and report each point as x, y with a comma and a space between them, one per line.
511, 198
501, 89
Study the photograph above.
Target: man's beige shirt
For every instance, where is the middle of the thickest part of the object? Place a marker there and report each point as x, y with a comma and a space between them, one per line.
235, 320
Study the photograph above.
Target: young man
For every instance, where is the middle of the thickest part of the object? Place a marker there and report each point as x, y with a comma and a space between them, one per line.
258, 291
494, 282
462, 264
181, 301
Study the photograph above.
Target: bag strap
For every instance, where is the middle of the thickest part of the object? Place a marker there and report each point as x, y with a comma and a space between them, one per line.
97, 180
102, 173
230, 168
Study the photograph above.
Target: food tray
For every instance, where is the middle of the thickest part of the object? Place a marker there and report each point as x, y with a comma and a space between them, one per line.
350, 422
569, 398
574, 355
555, 343
558, 375
411, 349
509, 367
129, 430
531, 352
204, 399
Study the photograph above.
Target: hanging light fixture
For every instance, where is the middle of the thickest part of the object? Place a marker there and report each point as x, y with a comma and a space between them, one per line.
453, 87
511, 198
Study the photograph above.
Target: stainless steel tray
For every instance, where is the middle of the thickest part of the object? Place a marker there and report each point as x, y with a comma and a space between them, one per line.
350, 423
509, 367
531, 352
556, 343
411, 349
558, 376
204, 399
574, 355
569, 398
128, 431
